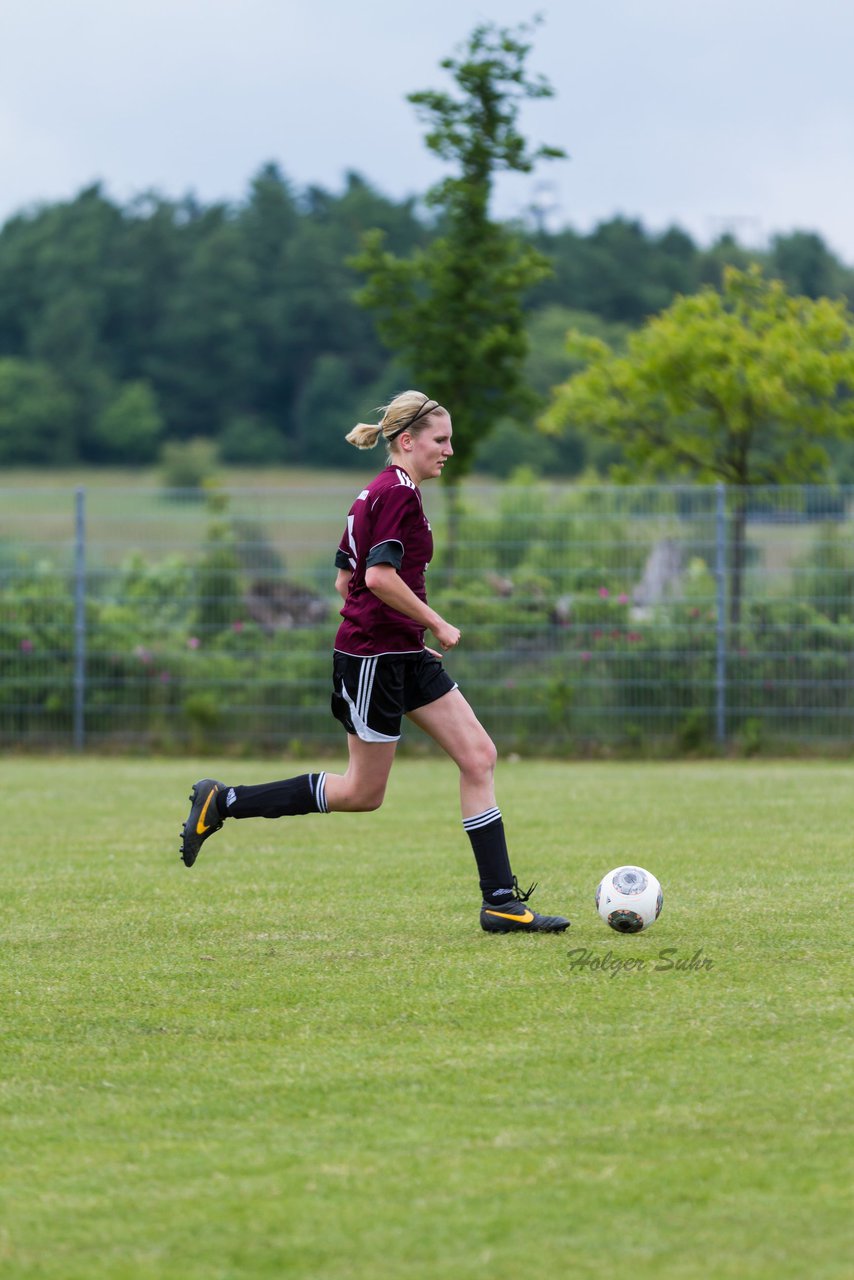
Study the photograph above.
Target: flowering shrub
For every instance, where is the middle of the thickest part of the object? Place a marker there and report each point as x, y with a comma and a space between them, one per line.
556, 656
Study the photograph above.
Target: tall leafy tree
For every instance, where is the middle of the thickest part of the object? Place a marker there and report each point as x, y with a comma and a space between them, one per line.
36, 415
745, 385
269, 223
806, 265
204, 362
619, 271
58, 276
154, 247
302, 314
453, 310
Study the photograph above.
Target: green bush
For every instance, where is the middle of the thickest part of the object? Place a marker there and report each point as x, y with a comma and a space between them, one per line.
129, 428
555, 657
190, 465
251, 440
37, 414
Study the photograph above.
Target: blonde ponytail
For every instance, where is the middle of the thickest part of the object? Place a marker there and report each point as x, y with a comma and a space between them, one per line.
364, 436
410, 411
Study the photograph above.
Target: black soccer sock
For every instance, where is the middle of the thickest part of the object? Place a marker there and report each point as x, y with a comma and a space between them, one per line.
304, 794
486, 832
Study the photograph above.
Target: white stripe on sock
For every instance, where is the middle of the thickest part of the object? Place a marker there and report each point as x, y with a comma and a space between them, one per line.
482, 819
320, 794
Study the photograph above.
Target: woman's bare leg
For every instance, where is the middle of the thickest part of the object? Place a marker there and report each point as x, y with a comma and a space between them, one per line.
362, 786
451, 722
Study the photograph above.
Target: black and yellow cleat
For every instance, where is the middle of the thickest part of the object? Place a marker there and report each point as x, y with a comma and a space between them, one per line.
203, 819
515, 916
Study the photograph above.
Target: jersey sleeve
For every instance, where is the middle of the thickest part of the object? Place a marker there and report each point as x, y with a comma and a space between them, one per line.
392, 519
390, 552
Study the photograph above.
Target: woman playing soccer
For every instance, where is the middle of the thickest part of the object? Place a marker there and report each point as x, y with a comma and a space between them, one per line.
383, 671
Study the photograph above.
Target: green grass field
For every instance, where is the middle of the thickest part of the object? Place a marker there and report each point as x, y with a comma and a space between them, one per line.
303, 1058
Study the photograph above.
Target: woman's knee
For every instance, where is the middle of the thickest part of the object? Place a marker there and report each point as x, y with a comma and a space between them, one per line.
364, 796
371, 800
480, 757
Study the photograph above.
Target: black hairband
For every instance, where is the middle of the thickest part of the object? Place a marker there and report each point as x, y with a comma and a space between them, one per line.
414, 418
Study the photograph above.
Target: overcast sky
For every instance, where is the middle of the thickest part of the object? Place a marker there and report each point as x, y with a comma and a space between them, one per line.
713, 114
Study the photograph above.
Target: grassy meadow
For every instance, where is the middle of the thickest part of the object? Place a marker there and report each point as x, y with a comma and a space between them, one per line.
303, 1057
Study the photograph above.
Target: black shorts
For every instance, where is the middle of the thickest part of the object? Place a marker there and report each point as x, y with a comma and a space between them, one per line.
371, 695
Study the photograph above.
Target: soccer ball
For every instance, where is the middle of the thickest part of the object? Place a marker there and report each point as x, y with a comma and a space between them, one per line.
629, 899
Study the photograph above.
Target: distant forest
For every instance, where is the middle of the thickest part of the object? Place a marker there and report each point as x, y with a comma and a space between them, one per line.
124, 329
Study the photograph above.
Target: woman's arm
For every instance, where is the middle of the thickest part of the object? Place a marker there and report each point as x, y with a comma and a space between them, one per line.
388, 586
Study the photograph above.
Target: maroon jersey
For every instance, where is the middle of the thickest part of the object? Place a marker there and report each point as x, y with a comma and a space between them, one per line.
386, 525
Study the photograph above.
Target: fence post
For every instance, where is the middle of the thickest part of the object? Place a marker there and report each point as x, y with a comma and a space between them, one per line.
720, 627
79, 619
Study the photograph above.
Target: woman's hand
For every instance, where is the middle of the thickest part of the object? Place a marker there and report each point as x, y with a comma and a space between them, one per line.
388, 586
448, 636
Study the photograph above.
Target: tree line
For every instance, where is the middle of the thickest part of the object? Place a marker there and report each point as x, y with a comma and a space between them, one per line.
128, 327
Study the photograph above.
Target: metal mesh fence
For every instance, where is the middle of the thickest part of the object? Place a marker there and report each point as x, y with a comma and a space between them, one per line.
593, 618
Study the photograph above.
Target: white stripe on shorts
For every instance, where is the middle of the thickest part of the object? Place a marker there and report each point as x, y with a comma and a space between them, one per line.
359, 708
366, 685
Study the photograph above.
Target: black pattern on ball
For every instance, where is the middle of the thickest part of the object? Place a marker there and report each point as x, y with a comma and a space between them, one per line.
625, 921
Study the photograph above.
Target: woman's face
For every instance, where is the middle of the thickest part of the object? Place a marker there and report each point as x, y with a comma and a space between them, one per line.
425, 454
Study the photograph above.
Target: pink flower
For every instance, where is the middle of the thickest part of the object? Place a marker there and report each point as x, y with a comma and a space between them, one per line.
604, 592
634, 636
26, 646
622, 598
585, 657
193, 642
237, 626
